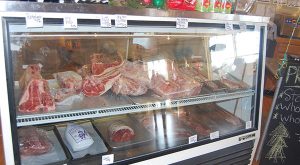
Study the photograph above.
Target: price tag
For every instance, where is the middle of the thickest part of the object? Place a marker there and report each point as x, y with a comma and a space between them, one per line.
228, 26
70, 23
214, 135
248, 124
108, 159
34, 20
182, 23
121, 21
243, 26
105, 21
193, 139
257, 28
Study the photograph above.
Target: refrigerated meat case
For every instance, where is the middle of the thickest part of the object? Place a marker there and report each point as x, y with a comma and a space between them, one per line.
181, 95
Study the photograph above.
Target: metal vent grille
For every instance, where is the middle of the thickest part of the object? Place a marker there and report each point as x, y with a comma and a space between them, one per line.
236, 155
24, 120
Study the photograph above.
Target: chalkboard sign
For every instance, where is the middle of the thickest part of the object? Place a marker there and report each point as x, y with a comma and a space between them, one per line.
281, 143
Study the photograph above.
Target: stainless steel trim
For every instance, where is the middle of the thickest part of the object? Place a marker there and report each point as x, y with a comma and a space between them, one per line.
13, 7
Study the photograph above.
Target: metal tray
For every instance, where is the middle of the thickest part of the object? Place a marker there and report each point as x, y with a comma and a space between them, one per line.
149, 97
212, 117
167, 129
57, 155
142, 136
97, 147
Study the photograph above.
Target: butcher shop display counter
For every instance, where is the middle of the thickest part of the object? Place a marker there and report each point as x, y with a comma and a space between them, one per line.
90, 84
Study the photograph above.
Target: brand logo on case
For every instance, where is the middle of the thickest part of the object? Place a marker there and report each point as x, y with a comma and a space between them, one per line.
247, 137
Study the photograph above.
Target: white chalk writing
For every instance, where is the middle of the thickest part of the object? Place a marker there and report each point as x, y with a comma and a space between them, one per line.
293, 74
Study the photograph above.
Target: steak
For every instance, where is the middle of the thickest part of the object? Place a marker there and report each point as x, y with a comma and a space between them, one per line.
33, 141
137, 71
32, 71
182, 86
36, 97
63, 93
120, 132
128, 86
105, 71
102, 63
69, 80
197, 75
168, 82
98, 85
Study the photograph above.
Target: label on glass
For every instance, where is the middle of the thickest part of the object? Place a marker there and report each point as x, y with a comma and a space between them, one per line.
248, 124
34, 20
105, 21
108, 159
257, 28
182, 23
121, 21
193, 139
214, 135
70, 23
228, 26
243, 26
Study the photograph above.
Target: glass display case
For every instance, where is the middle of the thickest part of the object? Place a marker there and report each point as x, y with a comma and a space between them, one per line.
147, 92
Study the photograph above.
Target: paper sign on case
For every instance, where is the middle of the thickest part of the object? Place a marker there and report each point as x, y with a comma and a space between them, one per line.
34, 21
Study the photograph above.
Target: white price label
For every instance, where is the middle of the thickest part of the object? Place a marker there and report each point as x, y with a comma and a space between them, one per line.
193, 139
121, 21
34, 20
70, 23
228, 26
108, 159
182, 23
214, 135
105, 21
243, 26
257, 28
248, 124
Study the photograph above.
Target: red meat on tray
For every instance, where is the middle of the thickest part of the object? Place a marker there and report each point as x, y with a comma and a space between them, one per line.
33, 141
128, 86
120, 132
36, 95
104, 72
98, 85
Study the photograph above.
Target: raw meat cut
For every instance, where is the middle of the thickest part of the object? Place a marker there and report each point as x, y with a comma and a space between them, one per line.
120, 132
182, 86
137, 71
98, 85
36, 97
170, 83
63, 93
105, 71
127, 86
197, 75
102, 63
32, 71
33, 141
69, 80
